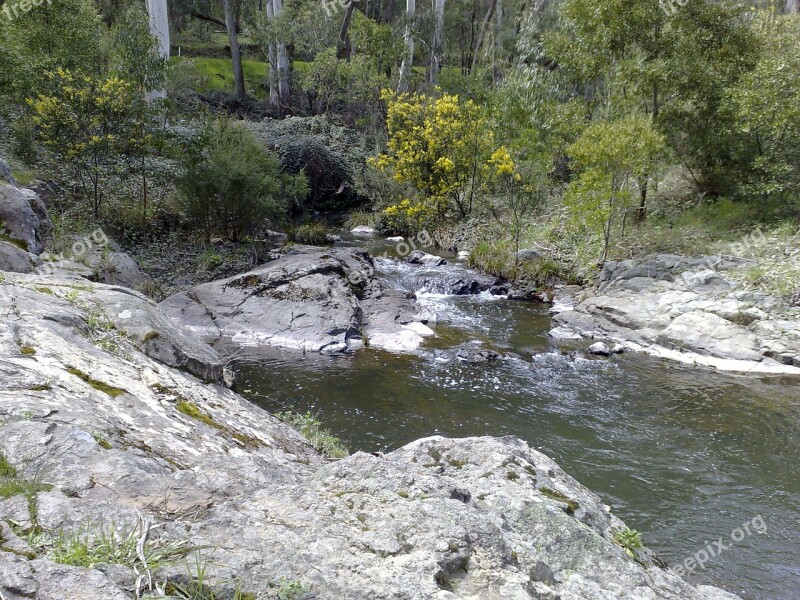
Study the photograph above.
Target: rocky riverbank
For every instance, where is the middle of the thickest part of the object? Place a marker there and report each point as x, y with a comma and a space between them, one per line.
128, 469
690, 310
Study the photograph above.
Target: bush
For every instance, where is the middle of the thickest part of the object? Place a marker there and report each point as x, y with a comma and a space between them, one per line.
331, 157
231, 184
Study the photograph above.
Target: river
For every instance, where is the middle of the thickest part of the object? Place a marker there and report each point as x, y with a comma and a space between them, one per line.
685, 456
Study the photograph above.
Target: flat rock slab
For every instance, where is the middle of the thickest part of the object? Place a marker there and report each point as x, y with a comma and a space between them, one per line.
311, 299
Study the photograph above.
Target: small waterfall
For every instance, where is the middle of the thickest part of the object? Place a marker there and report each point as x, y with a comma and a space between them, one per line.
159, 27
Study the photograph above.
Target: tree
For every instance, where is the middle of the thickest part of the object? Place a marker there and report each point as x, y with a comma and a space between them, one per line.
437, 44
522, 190
611, 156
229, 7
136, 55
408, 41
65, 34
231, 183
765, 105
86, 122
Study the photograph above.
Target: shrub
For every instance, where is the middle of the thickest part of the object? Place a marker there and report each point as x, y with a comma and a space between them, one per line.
332, 158
232, 184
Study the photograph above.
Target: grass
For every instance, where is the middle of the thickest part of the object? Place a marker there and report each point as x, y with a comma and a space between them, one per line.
96, 545
12, 484
312, 234
572, 505
96, 384
322, 439
216, 74
363, 218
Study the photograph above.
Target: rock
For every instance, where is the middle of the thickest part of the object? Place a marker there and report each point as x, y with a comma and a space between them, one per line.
599, 349
309, 299
277, 238
119, 317
6, 174
123, 440
332, 238
418, 257
477, 355
117, 268
13, 258
706, 333
363, 231
19, 222
618, 349
464, 255
683, 309
396, 240
528, 255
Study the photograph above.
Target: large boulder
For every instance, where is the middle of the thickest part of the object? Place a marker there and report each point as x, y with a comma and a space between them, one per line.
15, 259
23, 219
310, 299
114, 317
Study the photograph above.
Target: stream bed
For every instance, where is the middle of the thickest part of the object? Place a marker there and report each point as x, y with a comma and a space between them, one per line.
685, 456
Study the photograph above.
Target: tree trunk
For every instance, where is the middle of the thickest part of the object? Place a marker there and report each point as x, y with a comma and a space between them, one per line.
159, 27
408, 40
344, 49
282, 61
272, 57
236, 53
438, 41
496, 50
792, 6
484, 27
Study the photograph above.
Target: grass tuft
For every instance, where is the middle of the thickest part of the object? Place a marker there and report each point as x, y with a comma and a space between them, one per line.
322, 439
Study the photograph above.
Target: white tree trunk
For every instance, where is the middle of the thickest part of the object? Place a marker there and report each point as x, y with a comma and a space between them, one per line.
282, 60
792, 6
408, 40
438, 41
272, 54
159, 27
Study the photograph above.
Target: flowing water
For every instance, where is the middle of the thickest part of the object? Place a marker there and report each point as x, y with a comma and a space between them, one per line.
683, 455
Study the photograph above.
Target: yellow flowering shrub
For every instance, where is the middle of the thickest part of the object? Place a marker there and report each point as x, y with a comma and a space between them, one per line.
85, 121
440, 145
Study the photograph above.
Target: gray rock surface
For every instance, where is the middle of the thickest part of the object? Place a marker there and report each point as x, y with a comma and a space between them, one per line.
685, 309
15, 259
115, 440
23, 219
6, 174
310, 299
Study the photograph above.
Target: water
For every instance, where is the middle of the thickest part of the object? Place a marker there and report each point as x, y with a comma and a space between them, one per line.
684, 456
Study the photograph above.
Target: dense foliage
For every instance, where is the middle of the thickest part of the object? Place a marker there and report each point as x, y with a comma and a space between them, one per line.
563, 122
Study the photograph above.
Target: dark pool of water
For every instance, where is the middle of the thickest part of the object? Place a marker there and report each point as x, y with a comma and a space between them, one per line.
683, 455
